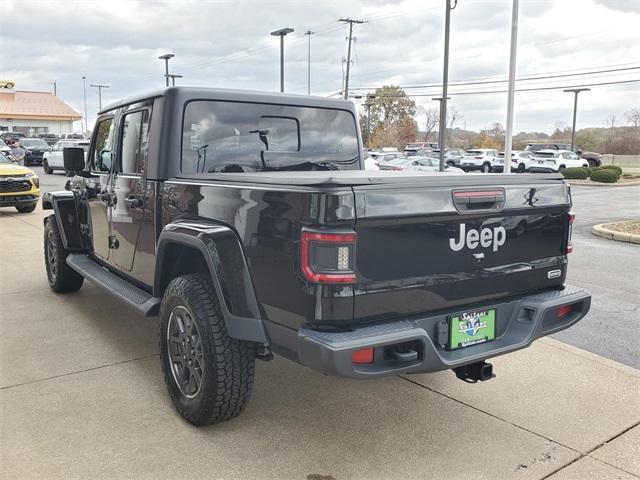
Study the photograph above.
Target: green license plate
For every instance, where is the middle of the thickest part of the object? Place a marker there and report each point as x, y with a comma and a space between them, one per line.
472, 328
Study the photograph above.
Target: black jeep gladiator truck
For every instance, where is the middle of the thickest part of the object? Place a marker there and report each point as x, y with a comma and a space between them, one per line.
245, 222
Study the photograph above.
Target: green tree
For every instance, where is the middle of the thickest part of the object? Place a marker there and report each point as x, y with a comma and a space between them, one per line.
390, 105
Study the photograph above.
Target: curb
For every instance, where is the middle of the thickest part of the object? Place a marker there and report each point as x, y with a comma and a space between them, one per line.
604, 232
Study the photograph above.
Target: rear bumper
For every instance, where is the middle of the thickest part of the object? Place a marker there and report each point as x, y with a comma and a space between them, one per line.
541, 169
519, 322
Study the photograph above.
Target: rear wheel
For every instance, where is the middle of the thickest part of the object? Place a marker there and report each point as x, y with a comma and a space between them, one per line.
47, 169
486, 168
521, 168
209, 375
62, 278
25, 208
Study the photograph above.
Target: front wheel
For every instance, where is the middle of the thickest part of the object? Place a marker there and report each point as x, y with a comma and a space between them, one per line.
62, 278
209, 375
47, 169
521, 168
25, 208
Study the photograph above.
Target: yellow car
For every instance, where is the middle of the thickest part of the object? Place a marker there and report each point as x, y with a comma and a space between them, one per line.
19, 186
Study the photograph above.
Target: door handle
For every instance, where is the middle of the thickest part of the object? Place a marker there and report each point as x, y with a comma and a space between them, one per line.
134, 202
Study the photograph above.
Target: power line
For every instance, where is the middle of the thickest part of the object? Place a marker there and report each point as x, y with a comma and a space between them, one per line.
520, 79
536, 89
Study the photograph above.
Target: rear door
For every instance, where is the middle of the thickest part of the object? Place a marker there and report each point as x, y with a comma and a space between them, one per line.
424, 247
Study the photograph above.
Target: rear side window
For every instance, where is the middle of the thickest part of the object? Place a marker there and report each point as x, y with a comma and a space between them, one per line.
236, 137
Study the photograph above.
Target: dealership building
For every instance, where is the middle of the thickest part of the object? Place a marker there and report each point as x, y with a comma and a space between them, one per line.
35, 112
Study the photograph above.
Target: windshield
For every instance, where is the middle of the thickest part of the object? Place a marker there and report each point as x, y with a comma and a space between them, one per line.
234, 137
547, 154
34, 142
3, 159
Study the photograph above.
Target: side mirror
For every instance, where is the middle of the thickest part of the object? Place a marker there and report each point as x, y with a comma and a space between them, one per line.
73, 158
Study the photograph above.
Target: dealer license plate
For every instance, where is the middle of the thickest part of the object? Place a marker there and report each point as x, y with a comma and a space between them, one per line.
472, 328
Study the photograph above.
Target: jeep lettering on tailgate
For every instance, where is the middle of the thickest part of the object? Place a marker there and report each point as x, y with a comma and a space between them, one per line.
487, 237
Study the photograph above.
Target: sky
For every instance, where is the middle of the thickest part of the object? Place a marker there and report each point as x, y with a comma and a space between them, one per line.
227, 44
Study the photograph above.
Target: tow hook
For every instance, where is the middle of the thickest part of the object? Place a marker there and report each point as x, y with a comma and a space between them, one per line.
475, 371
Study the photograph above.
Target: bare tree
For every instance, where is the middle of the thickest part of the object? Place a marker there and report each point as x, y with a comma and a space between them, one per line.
430, 122
633, 117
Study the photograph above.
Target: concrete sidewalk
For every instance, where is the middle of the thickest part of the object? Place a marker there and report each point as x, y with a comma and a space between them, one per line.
82, 396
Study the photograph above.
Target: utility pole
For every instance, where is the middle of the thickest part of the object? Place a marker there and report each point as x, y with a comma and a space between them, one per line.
55, 90
283, 32
308, 33
445, 81
508, 136
84, 91
173, 79
99, 87
575, 92
166, 58
350, 21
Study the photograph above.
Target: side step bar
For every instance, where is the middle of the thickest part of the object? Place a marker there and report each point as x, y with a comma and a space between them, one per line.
143, 302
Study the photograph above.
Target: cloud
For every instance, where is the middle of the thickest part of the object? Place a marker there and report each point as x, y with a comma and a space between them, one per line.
227, 44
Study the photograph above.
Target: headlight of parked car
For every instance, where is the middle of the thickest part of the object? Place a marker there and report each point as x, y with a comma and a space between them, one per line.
34, 179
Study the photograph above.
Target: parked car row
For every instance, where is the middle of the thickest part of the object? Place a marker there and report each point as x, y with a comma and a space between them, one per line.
486, 160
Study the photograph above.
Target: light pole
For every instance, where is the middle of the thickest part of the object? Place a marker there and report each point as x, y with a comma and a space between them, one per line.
308, 33
508, 134
99, 87
440, 145
173, 79
575, 92
282, 33
84, 91
445, 80
166, 58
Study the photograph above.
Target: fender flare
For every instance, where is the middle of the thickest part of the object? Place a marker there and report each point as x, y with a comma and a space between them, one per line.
218, 245
62, 203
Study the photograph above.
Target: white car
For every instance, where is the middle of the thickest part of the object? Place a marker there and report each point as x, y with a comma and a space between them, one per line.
53, 160
550, 161
4, 148
520, 161
479, 159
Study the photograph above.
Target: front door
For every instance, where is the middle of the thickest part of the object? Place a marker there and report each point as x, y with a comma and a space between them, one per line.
100, 193
133, 200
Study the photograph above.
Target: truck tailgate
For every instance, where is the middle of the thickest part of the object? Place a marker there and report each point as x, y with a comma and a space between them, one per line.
426, 247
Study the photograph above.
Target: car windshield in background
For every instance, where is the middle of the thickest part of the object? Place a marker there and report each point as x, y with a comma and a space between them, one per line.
34, 142
218, 136
398, 161
77, 136
4, 159
546, 154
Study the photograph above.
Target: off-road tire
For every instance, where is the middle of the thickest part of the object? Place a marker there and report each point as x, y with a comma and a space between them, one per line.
25, 208
229, 364
62, 278
47, 169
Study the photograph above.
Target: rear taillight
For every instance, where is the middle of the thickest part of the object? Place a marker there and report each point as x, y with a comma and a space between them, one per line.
328, 257
479, 158
572, 218
363, 357
564, 311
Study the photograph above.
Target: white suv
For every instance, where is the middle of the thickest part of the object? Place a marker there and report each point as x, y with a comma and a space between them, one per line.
479, 159
548, 161
53, 160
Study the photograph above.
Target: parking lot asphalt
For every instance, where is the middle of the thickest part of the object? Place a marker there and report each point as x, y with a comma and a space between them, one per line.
82, 395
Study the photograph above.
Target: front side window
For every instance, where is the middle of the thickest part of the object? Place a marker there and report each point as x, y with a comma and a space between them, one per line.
236, 137
103, 149
135, 142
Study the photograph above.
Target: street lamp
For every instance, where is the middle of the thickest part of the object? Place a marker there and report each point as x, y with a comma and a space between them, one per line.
166, 58
99, 86
173, 79
440, 145
445, 79
84, 91
575, 92
282, 33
